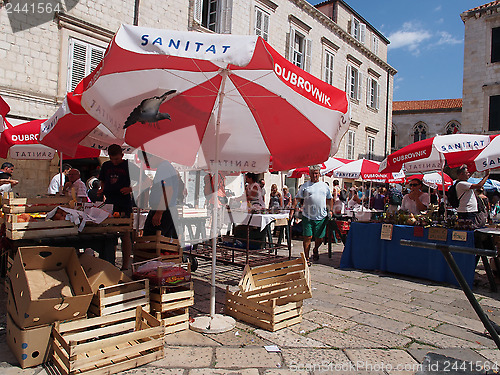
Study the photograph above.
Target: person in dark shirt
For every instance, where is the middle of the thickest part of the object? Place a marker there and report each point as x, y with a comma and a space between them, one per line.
115, 187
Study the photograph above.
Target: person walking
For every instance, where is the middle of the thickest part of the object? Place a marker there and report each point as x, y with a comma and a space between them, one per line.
316, 201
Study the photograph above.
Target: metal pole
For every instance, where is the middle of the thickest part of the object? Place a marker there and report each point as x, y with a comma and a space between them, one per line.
445, 250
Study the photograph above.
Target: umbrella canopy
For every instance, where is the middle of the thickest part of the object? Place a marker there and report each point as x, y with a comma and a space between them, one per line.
489, 157
4, 109
366, 170
434, 180
490, 185
21, 142
258, 102
431, 154
326, 167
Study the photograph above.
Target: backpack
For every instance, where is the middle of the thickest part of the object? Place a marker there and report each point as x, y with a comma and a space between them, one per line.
343, 195
395, 197
452, 196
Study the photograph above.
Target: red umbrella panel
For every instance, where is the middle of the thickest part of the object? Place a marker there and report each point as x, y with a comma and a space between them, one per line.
431, 154
366, 170
21, 142
233, 102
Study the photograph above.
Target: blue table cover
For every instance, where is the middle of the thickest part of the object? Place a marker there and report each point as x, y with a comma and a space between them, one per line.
366, 251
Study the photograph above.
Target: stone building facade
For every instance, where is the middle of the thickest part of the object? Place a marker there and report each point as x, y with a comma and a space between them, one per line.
45, 55
481, 79
419, 119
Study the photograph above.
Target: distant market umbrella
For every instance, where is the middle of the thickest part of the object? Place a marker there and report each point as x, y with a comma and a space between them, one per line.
326, 167
366, 170
434, 180
431, 154
490, 185
237, 104
21, 142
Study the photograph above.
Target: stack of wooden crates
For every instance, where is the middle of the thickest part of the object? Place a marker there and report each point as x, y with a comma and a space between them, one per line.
271, 296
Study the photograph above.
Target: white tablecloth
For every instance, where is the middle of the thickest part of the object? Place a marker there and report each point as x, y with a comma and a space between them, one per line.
489, 230
256, 220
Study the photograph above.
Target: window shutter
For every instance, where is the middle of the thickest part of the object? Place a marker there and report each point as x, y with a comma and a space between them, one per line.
348, 80
368, 96
226, 16
291, 43
362, 32
265, 27
360, 79
197, 11
77, 59
352, 25
377, 102
258, 22
96, 55
307, 65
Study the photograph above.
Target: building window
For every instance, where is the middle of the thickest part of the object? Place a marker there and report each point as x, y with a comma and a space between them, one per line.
372, 93
83, 58
328, 71
374, 44
350, 144
262, 23
300, 50
494, 120
495, 44
353, 82
419, 132
394, 139
358, 29
371, 148
214, 15
453, 128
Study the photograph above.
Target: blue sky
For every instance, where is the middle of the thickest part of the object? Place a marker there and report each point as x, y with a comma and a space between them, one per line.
427, 43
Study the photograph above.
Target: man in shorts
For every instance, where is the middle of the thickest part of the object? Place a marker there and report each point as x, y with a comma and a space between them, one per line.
315, 199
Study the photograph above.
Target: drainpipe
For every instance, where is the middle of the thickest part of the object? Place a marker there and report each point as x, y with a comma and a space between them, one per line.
386, 113
136, 12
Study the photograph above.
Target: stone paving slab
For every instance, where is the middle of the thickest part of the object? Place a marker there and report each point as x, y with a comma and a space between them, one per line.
409, 318
246, 357
149, 370
183, 356
189, 338
461, 354
377, 321
385, 338
460, 321
297, 359
286, 338
305, 326
213, 371
438, 339
382, 360
328, 320
342, 340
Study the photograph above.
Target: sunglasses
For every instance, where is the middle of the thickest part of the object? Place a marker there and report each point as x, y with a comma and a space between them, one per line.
414, 185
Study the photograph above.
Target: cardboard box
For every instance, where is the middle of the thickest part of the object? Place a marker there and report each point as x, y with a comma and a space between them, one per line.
48, 284
31, 347
101, 273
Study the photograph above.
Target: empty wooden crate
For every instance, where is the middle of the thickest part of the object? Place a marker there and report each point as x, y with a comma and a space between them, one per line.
271, 296
108, 344
120, 297
172, 306
157, 246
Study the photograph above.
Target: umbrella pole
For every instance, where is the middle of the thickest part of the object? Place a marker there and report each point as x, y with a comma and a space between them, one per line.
60, 172
442, 181
215, 323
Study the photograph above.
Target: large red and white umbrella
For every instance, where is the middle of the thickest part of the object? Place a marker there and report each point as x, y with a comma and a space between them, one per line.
431, 154
234, 103
489, 157
237, 87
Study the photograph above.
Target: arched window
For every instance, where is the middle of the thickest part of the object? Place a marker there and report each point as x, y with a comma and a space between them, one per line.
452, 127
419, 132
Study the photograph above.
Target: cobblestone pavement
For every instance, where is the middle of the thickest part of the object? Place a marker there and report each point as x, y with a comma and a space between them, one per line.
356, 323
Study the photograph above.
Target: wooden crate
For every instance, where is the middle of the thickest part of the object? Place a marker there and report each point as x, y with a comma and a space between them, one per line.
15, 230
157, 246
12, 205
110, 225
107, 344
172, 307
120, 297
271, 296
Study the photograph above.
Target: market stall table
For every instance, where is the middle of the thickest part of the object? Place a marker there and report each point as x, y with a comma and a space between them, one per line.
367, 251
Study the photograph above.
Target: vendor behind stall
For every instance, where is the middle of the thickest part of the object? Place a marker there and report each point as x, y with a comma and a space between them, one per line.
416, 200
75, 187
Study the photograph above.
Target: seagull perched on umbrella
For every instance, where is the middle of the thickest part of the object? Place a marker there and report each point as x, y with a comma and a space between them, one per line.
148, 111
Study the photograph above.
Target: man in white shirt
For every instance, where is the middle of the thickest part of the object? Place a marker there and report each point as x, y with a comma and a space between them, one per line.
76, 184
55, 183
468, 208
316, 200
